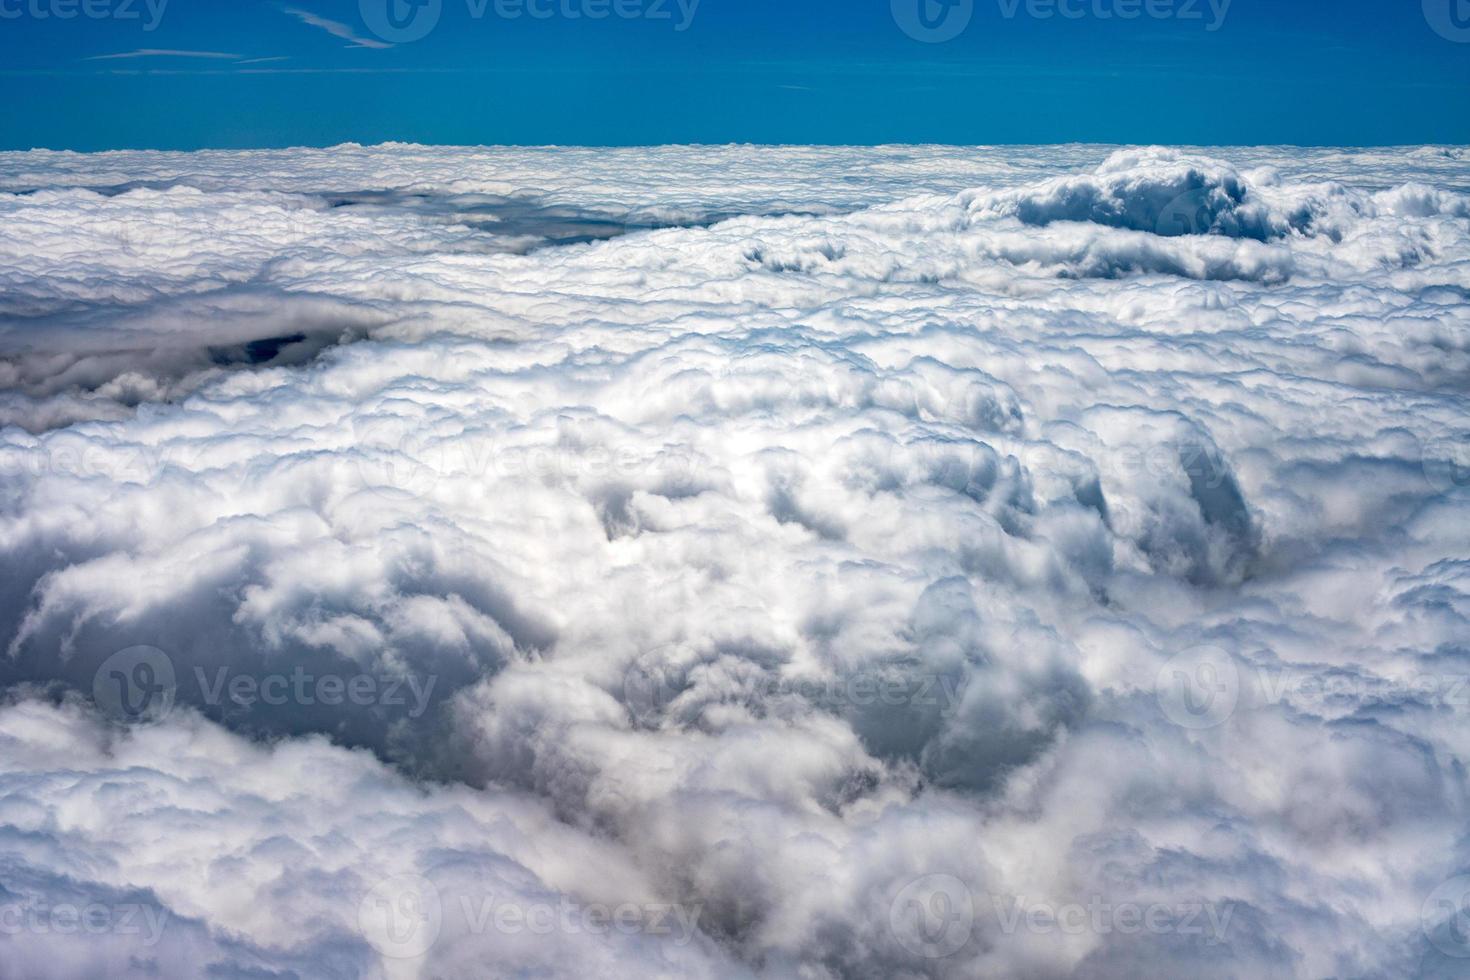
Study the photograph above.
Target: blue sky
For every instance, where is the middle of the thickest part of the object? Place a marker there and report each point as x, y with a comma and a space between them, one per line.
182, 74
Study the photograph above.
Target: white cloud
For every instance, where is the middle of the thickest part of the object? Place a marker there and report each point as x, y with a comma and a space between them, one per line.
771, 566
165, 53
335, 28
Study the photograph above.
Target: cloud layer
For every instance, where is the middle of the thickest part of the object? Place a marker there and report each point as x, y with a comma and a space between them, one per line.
908, 563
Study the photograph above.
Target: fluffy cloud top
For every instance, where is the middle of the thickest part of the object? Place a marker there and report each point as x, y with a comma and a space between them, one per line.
910, 563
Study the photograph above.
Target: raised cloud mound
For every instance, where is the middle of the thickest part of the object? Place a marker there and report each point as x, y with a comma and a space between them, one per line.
1154, 190
1170, 193
1165, 193
868, 585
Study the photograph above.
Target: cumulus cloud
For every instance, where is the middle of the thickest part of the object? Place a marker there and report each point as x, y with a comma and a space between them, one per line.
1047, 563
237, 859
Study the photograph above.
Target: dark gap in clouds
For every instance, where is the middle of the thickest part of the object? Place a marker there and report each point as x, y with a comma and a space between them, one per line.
262, 351
65, 360
526, 222
528, 219
97, 362
510, 216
